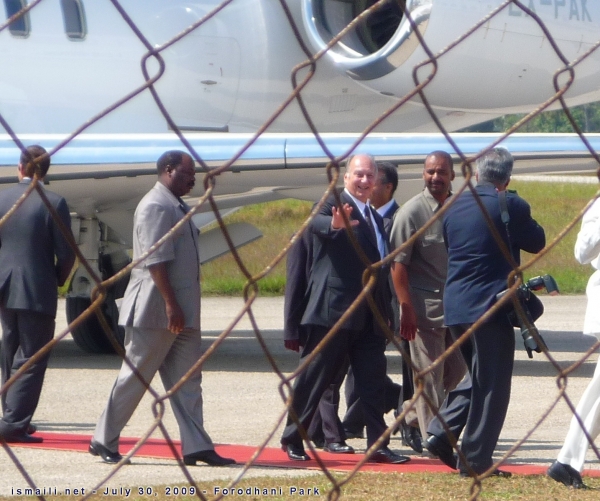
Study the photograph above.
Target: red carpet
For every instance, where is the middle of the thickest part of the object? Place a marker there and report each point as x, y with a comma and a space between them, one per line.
158, 448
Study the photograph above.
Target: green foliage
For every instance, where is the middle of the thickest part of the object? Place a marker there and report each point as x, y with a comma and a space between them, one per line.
554, 206
586, 116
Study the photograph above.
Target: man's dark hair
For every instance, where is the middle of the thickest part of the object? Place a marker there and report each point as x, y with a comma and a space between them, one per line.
171, 158
389, 174
445, 155
32, 163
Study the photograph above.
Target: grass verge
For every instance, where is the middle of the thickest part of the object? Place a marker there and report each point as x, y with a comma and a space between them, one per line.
553, 205
368, 486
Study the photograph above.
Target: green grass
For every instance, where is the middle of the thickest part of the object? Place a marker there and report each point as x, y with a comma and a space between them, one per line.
278, 221
377, 487
553, 205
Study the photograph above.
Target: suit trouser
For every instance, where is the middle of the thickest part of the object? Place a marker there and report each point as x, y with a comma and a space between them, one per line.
152, 350
478, 405
366, 353
429, 344
354, 419
408, 385
588, 409
24, 332
454, 410
326, 425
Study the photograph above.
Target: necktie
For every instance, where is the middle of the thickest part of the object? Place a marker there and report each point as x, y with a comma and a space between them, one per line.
370, 222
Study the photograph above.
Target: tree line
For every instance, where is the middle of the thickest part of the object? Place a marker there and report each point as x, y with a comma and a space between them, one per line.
586, 116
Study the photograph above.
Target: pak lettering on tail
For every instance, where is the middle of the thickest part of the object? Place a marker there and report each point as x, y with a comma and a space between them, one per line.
577, 9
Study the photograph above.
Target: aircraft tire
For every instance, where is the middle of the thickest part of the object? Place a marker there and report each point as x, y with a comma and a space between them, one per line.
90, 336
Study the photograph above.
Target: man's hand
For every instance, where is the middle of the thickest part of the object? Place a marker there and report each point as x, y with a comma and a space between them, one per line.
175, 317
337, 220
292, 344
408, 321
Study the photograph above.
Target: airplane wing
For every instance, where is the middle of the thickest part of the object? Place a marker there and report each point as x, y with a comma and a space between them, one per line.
220, 72
107, 174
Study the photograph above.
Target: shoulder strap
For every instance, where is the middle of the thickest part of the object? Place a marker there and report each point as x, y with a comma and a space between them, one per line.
504, 211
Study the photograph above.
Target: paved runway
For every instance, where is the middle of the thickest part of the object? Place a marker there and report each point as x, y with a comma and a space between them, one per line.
243, 405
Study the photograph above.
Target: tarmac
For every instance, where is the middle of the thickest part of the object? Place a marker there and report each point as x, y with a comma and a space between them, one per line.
242, 403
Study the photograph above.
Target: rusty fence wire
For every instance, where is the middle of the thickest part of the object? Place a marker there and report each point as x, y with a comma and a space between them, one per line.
300, 77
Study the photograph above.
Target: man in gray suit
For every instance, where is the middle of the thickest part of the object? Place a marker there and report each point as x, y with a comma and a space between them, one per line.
161, 315
35, 258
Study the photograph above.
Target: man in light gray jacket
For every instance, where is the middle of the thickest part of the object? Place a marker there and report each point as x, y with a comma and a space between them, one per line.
161, 315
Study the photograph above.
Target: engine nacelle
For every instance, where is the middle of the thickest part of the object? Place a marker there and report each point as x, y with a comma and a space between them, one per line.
381, 41
509, 53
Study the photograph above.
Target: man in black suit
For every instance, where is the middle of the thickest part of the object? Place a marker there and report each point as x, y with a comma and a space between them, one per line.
35, 258
335, 282
382, 199
326, 428
477, 272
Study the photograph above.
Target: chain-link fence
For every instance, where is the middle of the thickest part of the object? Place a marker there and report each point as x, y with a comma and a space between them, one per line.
154, 67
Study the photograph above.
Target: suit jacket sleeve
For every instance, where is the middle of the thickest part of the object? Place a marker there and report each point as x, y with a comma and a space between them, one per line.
587, 246
525, 232
65, 255
297, 268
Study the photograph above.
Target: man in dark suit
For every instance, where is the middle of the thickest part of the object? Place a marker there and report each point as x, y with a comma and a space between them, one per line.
35, 258
326, 428
477, 271
382, 199
335, 282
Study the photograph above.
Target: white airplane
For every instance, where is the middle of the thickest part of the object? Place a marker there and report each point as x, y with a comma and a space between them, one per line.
84, 78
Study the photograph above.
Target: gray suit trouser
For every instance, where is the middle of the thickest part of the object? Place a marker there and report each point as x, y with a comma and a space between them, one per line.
24, 332
153, 350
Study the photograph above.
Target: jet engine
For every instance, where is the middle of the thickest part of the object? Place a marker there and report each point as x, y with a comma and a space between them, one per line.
381, 40
476, 45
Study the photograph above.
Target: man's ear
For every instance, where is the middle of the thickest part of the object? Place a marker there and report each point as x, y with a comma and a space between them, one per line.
452, 175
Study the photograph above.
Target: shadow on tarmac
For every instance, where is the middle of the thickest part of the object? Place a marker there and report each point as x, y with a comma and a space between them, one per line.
241, 352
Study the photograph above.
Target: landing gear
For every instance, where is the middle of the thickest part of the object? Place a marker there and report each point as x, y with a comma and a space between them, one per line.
90, 336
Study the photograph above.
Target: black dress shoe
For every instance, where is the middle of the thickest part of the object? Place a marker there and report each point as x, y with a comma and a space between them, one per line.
385, 455
31, 429
411, 436
566, 474
338, 448
209, 457
295, 452
354, 434
110, 457
442, 450
22, 438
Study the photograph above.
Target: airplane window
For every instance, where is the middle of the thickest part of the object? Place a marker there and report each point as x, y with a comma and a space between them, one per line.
74, 19
19, 27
